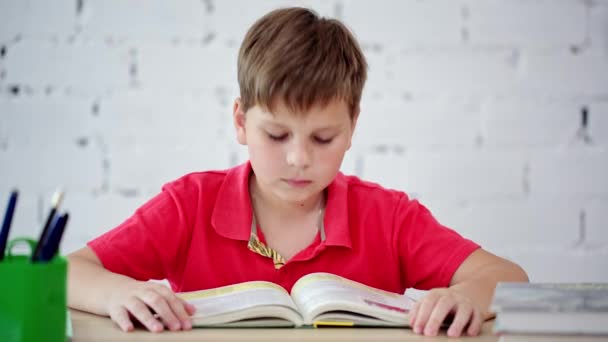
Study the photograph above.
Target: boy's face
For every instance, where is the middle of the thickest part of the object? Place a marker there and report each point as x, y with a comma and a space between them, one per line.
295, 157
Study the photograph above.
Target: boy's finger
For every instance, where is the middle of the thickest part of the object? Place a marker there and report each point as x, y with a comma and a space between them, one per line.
476, 323
178, 306
441, 310
159, 304
424, 312
142, 313
413, 314
461, 318
191, 308
121, 317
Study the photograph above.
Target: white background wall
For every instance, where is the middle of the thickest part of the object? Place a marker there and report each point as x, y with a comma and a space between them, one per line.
473, 106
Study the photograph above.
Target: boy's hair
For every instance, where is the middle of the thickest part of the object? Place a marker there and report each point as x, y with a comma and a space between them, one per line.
294, 55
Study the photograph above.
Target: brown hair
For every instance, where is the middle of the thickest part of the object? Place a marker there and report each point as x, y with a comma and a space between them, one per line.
294, 55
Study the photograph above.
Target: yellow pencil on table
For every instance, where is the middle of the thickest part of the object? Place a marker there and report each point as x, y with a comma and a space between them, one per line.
318, 324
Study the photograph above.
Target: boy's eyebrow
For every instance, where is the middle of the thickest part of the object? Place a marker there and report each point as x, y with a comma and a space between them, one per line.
268, 123
326, 128
329, 128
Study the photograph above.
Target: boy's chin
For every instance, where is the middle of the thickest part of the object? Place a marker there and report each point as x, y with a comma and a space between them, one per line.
297, 196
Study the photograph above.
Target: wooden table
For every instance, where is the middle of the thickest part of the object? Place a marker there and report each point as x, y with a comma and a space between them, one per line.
88, 327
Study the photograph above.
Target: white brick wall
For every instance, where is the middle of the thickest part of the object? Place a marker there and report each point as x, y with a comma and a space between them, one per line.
450, 173
596, 217
36, 19
423, 123
531, 24
566, 74
143, 20
91, 67
395, 22
475, 107
522, 123
198, 66
578, 173
598, 24
458, 71
230, 19
598, 129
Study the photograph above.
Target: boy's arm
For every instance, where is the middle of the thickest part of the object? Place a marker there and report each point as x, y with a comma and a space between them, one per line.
469, 296
477, 276
94, 289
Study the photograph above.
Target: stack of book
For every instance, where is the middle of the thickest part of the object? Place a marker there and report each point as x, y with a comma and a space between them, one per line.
551, 312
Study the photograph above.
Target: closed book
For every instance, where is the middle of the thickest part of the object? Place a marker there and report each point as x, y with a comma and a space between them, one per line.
551, 308
551, 338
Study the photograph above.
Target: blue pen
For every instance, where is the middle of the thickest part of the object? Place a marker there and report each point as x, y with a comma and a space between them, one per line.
8, 219
56, 201
50, 246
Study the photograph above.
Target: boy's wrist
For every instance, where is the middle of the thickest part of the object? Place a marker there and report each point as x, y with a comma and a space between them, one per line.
117, 288
478, 295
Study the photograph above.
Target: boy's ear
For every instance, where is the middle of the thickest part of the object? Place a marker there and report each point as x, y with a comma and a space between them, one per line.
238, 116
353, 126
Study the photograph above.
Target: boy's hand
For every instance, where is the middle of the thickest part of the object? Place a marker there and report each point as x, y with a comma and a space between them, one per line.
144, 300
429, 313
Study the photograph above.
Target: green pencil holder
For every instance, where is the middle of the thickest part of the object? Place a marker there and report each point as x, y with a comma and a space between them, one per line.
32, 297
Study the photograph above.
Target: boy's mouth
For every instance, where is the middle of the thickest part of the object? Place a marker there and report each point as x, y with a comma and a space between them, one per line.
298, 182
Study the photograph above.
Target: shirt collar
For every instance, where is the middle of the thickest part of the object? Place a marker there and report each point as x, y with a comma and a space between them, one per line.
232, 214
336, 213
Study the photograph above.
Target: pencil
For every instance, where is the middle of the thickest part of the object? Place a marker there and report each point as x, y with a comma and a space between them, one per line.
6, 224
50, 246
55, 202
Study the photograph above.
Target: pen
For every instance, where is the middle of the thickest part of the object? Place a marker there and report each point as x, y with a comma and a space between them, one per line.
55, 202
50, 246
6, 224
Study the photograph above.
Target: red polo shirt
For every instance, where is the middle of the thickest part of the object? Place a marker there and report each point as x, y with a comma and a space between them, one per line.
195, 235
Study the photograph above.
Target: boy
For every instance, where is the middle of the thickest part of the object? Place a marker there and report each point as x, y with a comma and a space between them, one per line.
288, 211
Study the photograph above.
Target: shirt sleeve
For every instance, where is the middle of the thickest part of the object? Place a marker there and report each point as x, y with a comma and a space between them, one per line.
429, 252
149, 244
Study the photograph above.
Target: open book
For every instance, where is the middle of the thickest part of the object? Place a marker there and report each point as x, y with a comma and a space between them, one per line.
317, 299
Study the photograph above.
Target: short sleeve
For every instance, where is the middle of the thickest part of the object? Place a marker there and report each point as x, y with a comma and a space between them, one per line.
429, 252
150, 243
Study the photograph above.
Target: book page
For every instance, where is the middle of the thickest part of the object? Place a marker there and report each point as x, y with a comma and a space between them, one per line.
239, 297
319, 293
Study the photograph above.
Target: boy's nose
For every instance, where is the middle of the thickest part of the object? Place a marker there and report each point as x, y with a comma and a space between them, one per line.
298, 156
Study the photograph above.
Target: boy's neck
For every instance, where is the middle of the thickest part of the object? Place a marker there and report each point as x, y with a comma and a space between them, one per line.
267, 201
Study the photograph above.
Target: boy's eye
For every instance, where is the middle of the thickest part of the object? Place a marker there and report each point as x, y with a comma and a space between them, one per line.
323, 141
277, 137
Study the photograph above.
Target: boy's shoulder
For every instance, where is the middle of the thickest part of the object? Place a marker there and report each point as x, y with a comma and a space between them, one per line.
198, 179
369, 190
207, 175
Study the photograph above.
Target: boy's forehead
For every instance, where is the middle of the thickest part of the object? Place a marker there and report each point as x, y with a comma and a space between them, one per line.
309, 120
280, 108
